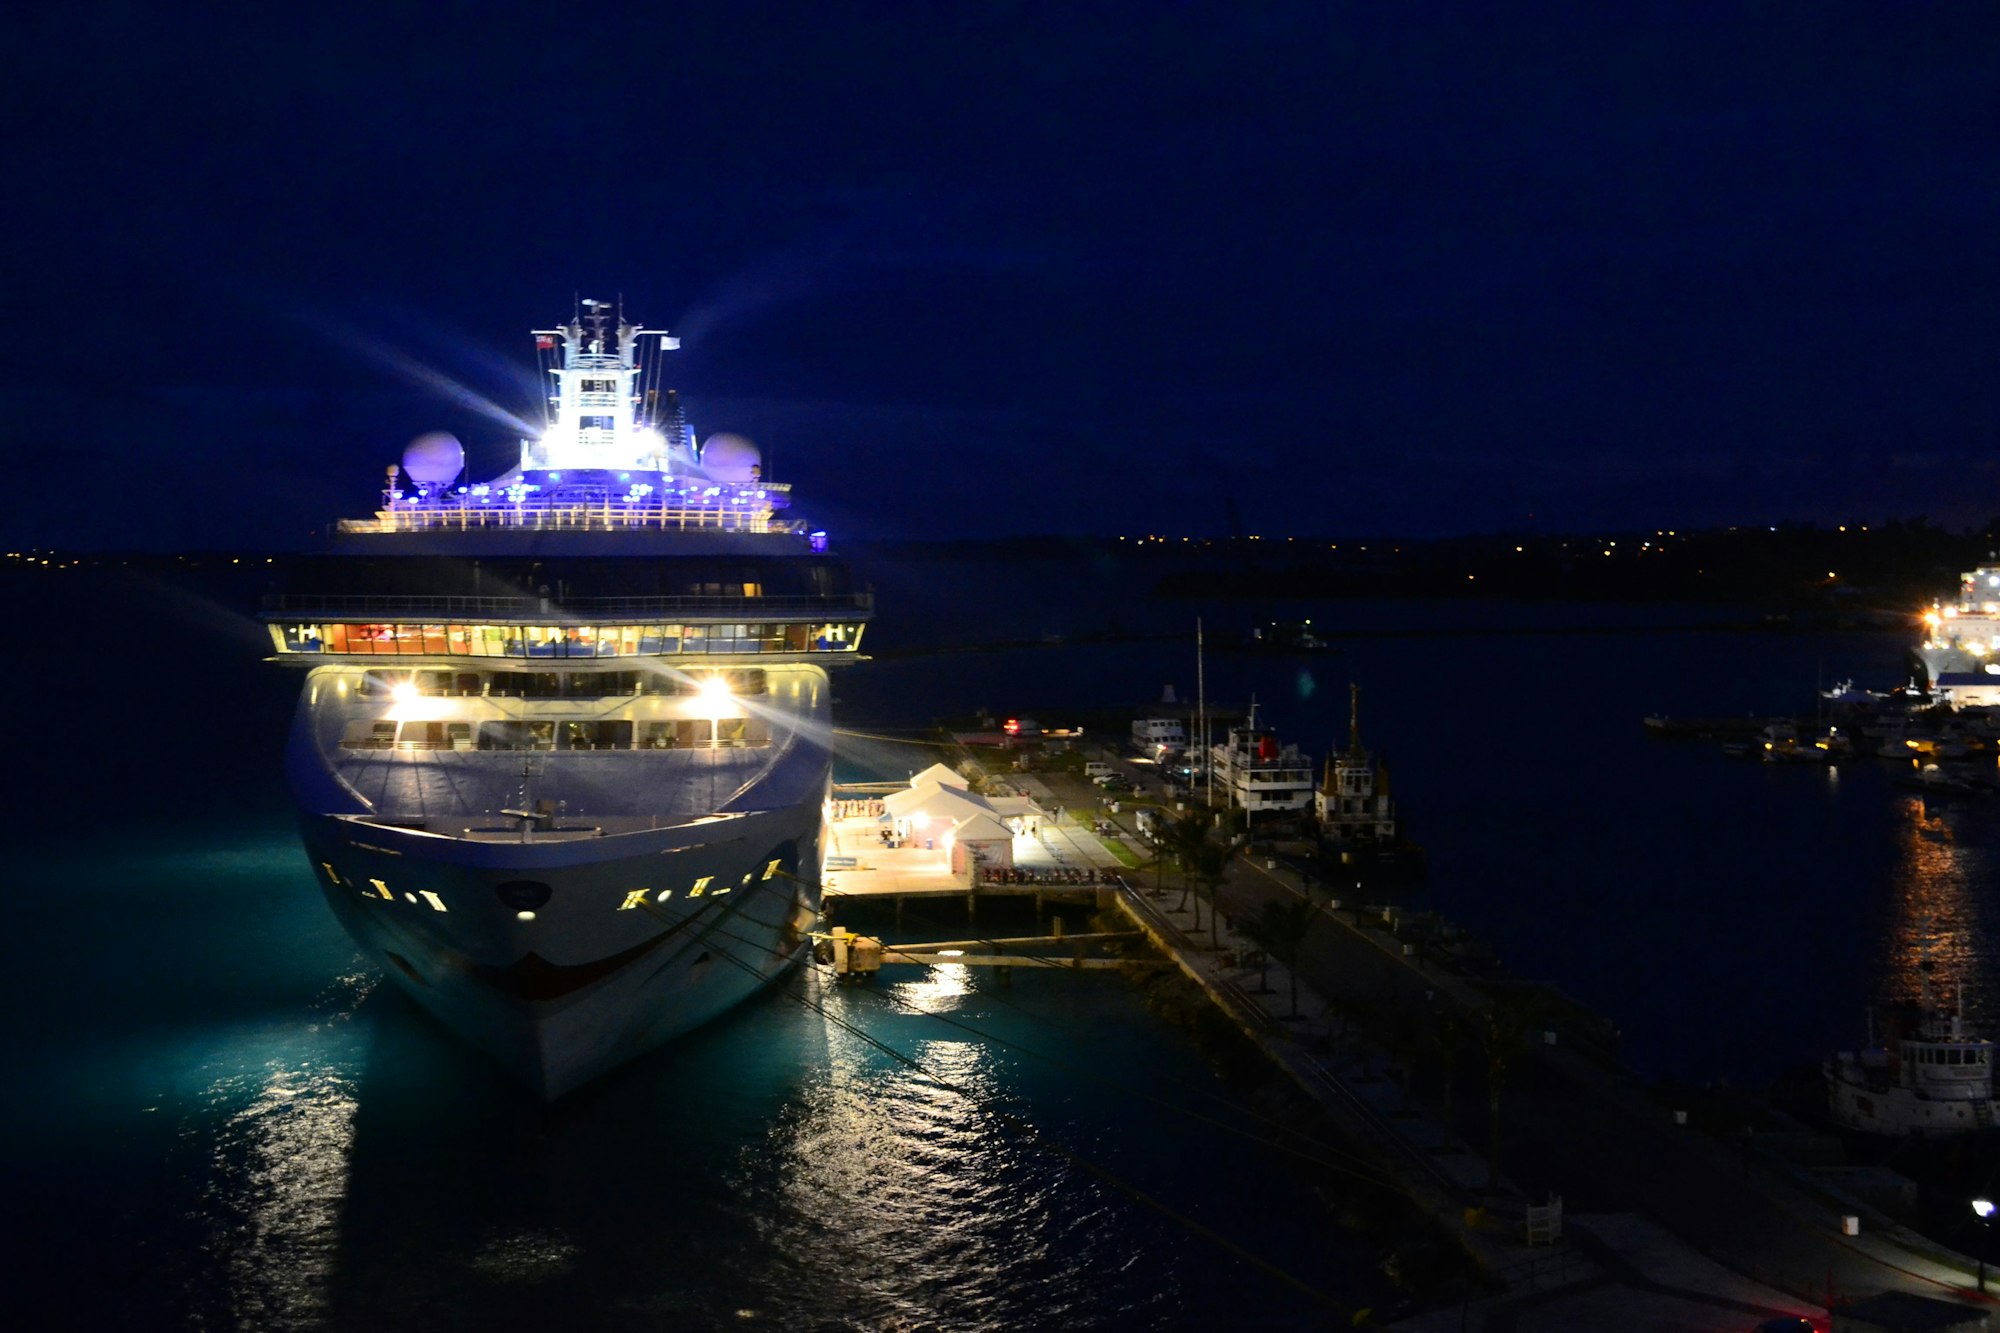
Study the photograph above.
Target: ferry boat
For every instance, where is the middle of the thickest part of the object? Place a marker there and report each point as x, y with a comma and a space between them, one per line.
1258, 773
1933, 1080
1960, 651
563, 748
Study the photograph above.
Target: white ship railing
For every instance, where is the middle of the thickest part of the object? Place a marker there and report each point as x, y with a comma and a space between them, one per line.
611, 517
572, 608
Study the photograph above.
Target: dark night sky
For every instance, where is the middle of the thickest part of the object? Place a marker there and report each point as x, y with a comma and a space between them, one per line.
980, 269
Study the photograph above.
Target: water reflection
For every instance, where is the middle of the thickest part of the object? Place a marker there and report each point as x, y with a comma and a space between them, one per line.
1937, 915
277, 1125
923, 1160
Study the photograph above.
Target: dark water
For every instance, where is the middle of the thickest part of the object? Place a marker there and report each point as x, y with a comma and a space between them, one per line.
223, 1120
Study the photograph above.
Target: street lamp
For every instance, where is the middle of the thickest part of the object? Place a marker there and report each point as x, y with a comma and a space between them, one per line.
1983, 1208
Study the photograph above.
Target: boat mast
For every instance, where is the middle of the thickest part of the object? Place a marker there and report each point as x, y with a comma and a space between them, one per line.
1201, 712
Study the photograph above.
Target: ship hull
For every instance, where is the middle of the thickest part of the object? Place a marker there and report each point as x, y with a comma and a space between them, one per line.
1855, 1103
632, 940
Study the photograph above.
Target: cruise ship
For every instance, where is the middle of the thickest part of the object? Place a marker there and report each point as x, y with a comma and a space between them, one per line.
1960, 651
563, 750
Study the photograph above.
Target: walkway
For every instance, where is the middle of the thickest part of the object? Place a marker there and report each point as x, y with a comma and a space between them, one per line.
1668, 1229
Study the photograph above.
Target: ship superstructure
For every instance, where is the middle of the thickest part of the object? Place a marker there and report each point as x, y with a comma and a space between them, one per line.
1353, 803
1360, 832
1258, 772
1961, 643
1929, 1078
564, 744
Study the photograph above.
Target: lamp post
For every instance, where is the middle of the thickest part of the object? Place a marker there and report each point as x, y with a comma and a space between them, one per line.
1983, 1209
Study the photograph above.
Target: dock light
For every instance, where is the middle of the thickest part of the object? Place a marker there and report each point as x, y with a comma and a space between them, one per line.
960, 953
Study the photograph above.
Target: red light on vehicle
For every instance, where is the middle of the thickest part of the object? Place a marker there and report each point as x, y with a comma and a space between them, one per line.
1012, 726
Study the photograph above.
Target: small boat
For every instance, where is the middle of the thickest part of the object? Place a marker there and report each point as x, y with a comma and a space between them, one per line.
1780, 743
1935, 781
1928, 1080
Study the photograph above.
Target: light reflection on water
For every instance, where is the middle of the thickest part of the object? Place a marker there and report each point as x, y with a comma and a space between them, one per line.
276, 1181
922, 1163
358, 1169
1939, 915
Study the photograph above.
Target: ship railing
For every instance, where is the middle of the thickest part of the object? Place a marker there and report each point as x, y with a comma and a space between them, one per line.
616, 516
845, 606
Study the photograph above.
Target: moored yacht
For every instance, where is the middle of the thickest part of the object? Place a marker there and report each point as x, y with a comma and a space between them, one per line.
563, 748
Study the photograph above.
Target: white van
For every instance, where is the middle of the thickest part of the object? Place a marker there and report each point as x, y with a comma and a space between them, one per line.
1098, 769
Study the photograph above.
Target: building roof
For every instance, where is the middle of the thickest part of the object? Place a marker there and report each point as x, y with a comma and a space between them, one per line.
982, 828
943, 774
936, 801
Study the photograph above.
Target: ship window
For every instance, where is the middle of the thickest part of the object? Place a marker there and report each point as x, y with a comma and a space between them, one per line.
511, 735
678, 734
597, 735
369, 736
694, 639
422, 736
659, 682
364, 639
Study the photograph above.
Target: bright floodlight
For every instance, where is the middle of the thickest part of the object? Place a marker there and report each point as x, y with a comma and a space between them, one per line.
404, 692
1984, 1207
715, 687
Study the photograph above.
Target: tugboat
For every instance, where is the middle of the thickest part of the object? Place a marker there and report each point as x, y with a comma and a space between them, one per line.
1931, 1081
1360, 834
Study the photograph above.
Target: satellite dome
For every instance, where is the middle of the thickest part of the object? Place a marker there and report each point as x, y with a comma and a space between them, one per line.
434, 459
730, 458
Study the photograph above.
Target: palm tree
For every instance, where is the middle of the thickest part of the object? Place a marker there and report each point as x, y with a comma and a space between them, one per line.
1184, 838
1280, 927
1503, 1032
1208, 866
1447, 1036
